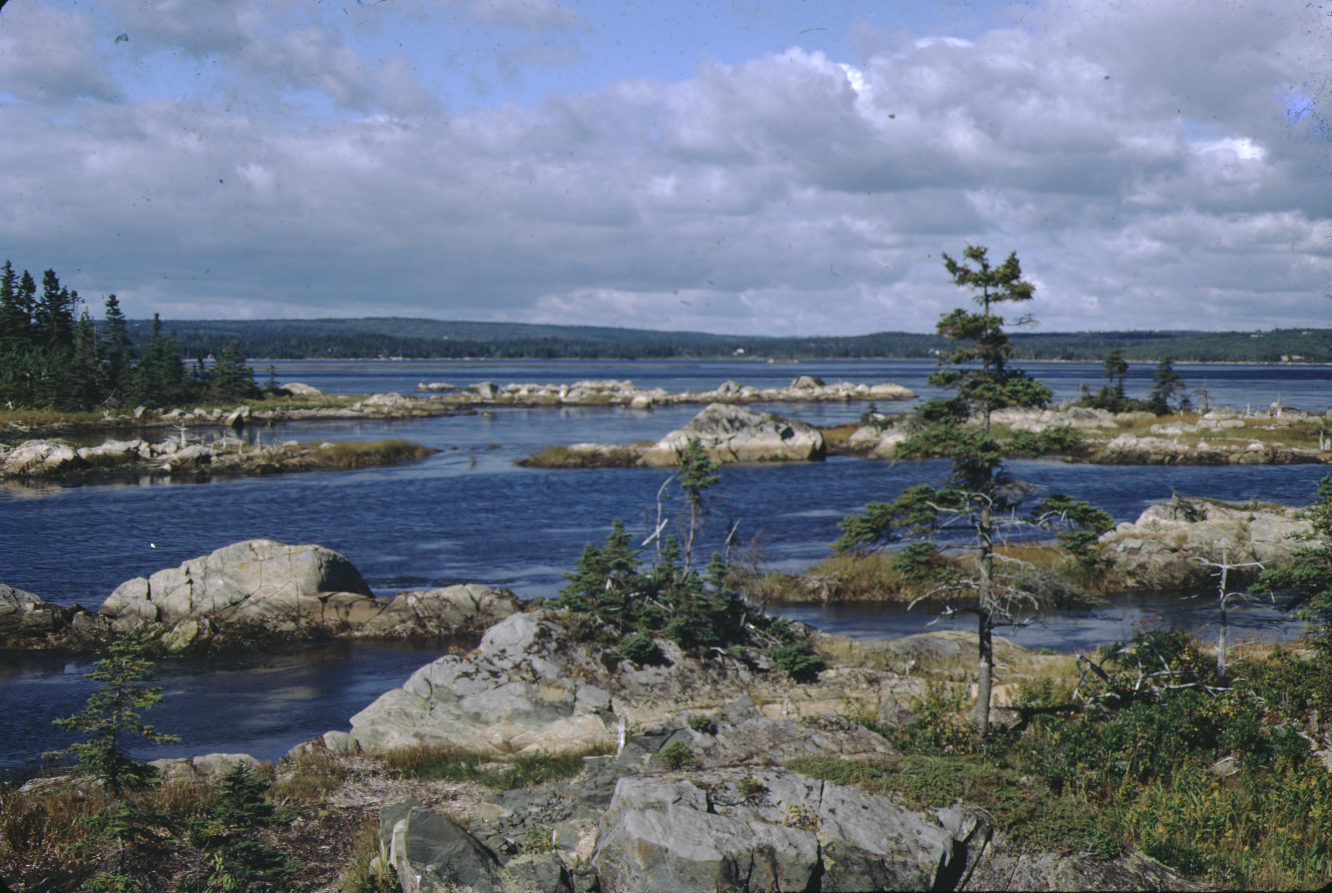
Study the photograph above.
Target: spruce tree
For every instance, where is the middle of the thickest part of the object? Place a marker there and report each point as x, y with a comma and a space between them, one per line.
1166, 384
978, 490
116, 346
111, 715
84, 379
14, 322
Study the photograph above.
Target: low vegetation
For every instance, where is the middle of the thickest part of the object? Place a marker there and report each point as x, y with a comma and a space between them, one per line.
445, 763
609, 457
1150, 749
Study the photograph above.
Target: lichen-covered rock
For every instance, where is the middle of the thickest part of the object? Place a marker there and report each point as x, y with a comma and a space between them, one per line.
1167, 545
206, 767
15, 605
1001, 864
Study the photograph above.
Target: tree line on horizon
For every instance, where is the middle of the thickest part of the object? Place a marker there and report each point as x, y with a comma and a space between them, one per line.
299, 340
53, 355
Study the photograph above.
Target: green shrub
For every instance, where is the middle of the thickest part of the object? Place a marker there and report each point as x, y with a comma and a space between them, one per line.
797, 661
677, 755
702, 724
641, 649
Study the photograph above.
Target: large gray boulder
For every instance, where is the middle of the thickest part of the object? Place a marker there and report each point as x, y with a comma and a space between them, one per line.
257, 581
512, 694
735, 434
1004, 864
36, 458
766, 829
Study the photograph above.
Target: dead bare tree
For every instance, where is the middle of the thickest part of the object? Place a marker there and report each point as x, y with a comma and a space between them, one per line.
1224, 595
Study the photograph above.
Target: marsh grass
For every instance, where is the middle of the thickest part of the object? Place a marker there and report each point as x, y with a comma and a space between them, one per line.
849, 579
350, 455
442, 763
836, 435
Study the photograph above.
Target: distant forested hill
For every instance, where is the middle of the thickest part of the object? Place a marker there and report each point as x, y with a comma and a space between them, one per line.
439, 339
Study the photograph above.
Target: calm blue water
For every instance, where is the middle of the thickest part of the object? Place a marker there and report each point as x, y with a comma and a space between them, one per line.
469, 514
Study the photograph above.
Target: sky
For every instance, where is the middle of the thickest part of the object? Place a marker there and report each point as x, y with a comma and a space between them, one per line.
760, 168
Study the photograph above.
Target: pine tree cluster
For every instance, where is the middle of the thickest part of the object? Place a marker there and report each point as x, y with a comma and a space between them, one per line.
53, 355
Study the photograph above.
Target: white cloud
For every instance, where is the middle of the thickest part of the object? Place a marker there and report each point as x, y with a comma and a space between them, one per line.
50, 55
1141, 168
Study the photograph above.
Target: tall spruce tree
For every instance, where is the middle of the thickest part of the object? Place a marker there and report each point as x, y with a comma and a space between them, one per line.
978, 491
14, 321
117, 347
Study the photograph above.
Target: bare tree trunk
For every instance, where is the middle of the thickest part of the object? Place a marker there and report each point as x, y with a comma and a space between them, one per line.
1221, 633
985, 668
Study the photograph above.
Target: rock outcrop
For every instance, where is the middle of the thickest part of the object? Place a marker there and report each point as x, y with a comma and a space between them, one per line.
1165, 547
226, 455
528, 687
512, 694
734, 434
26, 621
252, 581
766, 830
281, 591
40, 458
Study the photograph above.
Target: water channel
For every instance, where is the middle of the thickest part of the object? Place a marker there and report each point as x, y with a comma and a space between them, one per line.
469, 514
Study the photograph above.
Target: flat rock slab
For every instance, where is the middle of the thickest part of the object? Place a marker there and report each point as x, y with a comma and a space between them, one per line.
763, 829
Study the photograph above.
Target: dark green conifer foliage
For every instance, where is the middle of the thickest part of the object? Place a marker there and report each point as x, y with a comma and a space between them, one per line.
116, 347
111, 715
237, 861
26, 297
1115, 367
54, 315
14, 321
1310, 574
1167, 384
82, 382
231, 379
160, 379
